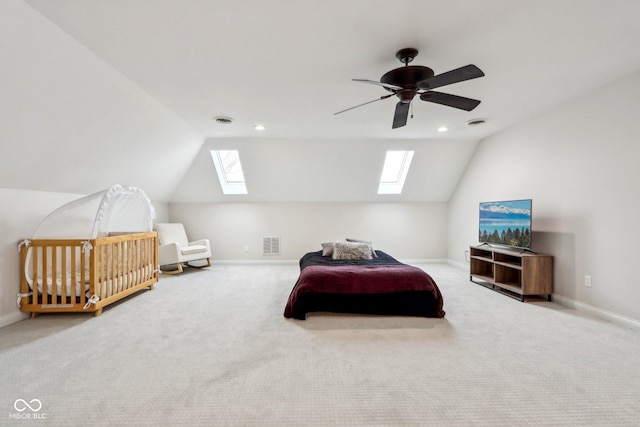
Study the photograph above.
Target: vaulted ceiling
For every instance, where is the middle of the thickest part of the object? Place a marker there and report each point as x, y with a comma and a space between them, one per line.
289, 65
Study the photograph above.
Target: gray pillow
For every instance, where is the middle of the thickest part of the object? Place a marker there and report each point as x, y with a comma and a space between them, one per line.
327, 249
351, 250
368, 242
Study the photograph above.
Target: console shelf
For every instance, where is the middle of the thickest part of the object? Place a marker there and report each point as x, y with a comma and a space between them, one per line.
512, 272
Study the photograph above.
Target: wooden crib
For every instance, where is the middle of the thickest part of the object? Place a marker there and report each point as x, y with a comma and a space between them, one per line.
85, 275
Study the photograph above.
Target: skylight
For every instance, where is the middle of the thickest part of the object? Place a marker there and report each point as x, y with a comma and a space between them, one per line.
394, 171
229, 168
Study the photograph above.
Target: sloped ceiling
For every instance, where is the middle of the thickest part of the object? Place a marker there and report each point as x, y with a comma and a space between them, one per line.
289, 64
70, 123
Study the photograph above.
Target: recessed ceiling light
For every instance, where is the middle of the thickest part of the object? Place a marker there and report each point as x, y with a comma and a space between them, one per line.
475, 122
259, 127
443, 129
223, 120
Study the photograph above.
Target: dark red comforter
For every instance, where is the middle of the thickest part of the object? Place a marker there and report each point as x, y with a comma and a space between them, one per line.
379, 286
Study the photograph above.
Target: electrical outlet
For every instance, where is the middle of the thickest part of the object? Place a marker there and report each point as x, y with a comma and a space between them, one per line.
587, 281
246, 248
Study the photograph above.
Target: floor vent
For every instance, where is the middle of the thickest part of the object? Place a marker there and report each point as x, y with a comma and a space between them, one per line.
270, 246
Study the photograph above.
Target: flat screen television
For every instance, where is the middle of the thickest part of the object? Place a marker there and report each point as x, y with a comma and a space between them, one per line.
506, 223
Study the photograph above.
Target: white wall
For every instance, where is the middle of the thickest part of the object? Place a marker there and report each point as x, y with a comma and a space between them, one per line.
580, 165
20, 214
162, 211
327, 170
404, 230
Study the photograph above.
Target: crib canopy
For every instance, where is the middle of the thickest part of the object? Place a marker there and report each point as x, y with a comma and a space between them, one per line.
119, 209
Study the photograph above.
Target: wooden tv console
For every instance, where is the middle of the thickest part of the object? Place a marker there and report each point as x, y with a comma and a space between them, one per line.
513, 272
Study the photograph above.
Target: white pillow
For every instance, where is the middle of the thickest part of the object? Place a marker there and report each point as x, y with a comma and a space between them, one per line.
368, 242
351, 250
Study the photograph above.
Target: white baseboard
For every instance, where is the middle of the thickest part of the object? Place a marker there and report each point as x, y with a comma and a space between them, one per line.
460, 265
12, 318
424, 261
296, 262
577, 305
596, 311
255, 262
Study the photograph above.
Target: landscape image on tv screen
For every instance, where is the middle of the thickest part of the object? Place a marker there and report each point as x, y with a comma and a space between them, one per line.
506, 223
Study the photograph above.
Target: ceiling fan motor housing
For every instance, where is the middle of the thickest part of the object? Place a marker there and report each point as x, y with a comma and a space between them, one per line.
406, 77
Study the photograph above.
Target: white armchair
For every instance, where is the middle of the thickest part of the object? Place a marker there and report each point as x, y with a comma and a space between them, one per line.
175, 248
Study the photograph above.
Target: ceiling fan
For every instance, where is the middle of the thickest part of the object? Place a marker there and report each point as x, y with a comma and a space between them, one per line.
411, 80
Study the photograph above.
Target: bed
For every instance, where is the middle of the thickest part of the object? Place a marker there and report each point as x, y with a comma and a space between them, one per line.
380, 285
76, 275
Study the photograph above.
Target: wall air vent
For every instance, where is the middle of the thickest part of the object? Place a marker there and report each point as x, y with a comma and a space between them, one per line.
270, 246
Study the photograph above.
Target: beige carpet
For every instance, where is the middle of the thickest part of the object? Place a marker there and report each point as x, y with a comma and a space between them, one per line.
212, 348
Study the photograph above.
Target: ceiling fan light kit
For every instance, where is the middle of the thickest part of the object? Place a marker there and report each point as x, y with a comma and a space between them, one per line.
411, 80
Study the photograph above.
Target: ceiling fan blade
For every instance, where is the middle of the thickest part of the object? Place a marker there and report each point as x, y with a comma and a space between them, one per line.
368, 102
401, 114
386, 85
461, 74
449, 100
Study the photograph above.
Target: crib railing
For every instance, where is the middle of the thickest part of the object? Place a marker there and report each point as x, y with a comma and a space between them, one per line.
85, 275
